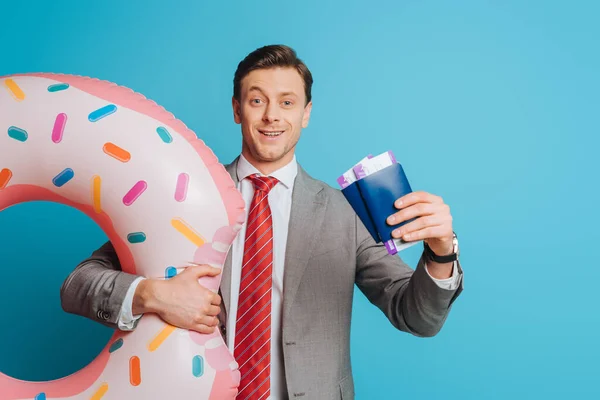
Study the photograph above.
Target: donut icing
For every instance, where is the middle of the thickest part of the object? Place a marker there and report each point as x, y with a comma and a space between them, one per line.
162, 198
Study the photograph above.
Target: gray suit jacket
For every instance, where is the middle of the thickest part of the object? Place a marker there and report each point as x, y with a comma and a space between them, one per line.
328, 251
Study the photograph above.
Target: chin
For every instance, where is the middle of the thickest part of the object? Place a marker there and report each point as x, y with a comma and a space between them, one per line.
270, 155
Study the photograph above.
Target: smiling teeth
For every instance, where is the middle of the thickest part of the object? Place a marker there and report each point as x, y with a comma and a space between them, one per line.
272, 133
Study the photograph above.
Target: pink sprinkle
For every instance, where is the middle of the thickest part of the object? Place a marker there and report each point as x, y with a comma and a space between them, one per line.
182, 185
134, 192
59, 127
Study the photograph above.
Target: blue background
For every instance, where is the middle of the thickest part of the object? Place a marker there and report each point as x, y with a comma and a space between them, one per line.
494, 105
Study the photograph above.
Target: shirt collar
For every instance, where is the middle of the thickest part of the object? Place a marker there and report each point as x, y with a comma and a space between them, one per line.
286, 174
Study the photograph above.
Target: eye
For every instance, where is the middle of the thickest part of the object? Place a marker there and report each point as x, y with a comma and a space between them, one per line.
287, 103
256, 101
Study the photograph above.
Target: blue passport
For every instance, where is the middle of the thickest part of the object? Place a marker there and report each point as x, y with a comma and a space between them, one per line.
373, 197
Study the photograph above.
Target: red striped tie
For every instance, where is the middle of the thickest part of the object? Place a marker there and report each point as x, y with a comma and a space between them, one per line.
252, 349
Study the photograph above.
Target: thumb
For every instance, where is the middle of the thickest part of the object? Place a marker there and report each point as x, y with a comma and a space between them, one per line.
200, 270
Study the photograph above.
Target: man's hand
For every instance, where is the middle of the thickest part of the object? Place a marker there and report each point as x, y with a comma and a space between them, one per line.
433, 221
181, 301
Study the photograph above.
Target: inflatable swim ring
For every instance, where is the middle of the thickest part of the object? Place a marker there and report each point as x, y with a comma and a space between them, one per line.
162, 198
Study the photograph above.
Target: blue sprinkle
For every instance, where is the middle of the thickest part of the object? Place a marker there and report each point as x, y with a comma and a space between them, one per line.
164, 134
102, 112
136, 237
65, 176
115, 346
58, 87
170, 272
198, 366
17, 133
40, 396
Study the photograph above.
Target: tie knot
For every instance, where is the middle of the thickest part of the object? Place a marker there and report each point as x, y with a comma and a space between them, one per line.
263, 183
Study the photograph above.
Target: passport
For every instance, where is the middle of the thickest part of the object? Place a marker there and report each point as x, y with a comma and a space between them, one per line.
379, 182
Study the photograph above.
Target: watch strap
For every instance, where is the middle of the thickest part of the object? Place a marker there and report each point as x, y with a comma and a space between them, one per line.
438, 259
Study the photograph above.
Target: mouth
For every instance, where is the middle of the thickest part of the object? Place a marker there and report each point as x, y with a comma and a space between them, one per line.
270, 133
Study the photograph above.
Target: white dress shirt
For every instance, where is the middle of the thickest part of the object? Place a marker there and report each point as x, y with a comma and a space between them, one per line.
280, 202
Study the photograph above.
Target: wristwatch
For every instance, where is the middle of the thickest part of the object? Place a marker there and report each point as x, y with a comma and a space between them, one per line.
443, 259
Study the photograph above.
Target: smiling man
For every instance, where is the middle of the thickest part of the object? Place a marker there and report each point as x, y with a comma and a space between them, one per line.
272, 103
287, 286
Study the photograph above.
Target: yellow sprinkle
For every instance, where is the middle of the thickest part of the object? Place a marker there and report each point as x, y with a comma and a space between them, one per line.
187, 231
96, 185
15, 89
160, 337
100, 392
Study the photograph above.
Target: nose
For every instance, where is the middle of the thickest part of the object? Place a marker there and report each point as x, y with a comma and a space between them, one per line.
271, 113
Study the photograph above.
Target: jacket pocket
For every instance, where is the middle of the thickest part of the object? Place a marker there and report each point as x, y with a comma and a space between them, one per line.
347, 388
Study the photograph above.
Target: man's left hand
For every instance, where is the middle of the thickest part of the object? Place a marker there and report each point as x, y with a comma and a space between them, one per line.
433, 221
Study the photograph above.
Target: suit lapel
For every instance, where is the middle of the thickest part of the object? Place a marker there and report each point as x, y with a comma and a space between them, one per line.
306, 218
226, 273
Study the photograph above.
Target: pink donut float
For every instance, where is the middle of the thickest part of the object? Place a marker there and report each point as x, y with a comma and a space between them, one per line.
162, 198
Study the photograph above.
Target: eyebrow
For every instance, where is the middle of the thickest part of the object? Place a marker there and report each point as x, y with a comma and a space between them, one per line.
253, 88
288, 94
256, 88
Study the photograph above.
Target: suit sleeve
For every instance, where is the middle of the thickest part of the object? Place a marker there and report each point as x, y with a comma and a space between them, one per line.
409, 298
97, 288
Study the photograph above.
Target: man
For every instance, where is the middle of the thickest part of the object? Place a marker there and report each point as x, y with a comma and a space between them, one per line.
288, 282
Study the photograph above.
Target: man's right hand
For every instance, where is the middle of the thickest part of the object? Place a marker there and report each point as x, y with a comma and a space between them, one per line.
181, 301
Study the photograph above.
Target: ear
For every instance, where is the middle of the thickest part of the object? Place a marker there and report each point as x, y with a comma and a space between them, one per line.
237, 110
306, 116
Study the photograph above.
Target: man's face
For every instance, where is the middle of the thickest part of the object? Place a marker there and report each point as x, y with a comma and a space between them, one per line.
272, 113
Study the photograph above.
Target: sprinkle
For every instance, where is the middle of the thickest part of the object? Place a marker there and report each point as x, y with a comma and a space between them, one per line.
116, 152
198, 366
59, 127
58, 87
15, 90
116, 345
102, 112
136, 237
96, 193
17, 133
182, 186
187, 231
160, 337
134, 192
164, 134
5, 176
40, 396
135, 376
170, 272
100, 392
63, 177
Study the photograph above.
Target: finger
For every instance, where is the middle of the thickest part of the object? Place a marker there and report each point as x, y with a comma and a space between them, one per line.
418, 224
207, 320
200, 270
417, 197
416, 210
203, 328
216, 300
213, 310
426, 233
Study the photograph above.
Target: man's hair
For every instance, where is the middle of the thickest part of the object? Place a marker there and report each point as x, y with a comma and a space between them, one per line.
271, 57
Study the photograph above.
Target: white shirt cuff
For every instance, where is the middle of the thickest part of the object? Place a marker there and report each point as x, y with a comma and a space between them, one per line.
126, 321
448, 283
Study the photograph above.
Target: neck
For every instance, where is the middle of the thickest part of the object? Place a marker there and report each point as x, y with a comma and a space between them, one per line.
268, 167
